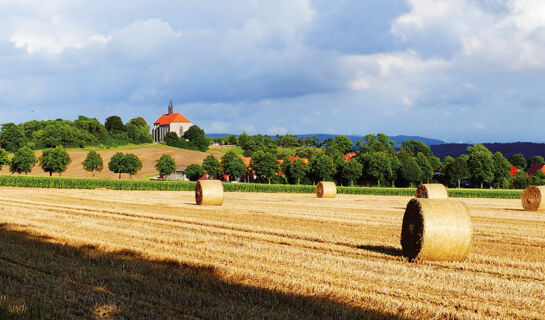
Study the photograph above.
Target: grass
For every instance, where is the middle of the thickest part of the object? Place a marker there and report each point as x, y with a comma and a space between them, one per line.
85, 183
99, 254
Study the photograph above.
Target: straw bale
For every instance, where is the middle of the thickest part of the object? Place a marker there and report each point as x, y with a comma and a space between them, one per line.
532, 198
432, 191
209, 193
436, 229
326, 189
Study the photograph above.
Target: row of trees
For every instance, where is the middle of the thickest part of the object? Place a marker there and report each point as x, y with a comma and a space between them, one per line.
80, 133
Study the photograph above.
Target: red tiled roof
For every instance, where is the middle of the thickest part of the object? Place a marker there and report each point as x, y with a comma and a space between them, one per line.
170, 118
349, 156
513, 171
535, 167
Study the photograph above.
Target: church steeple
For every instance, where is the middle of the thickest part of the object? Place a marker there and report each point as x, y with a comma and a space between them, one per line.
170, 107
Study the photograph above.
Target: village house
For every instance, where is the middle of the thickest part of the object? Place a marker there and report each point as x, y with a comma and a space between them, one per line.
170, 122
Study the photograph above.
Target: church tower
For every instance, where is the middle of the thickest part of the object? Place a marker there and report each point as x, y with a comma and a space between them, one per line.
170, 107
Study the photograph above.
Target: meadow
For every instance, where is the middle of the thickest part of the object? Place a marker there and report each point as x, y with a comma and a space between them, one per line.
104, 254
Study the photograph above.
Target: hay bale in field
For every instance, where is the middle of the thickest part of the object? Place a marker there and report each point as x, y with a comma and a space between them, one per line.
325, 189
532, 198
432, 191
436, 229
209, 193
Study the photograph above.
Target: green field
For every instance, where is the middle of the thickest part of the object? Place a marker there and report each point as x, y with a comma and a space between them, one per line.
81, 183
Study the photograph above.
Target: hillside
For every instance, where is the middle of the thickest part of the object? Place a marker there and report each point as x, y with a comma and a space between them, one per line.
528, 149
147, 154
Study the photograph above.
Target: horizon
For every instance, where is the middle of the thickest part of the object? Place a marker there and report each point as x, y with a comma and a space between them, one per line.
456, 70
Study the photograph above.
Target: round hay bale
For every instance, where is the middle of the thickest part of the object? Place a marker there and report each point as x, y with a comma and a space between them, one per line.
432, 191
326, 189
532, 198
436, 229
209, 193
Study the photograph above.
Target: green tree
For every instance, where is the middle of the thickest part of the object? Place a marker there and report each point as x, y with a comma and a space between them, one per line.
425, 167
265, 165
114, 123
132, 164
231, 140
518, 160
117, 164
294, 171
23, 160
458, 170
410, 172
91, 126
138, 134
376, 167
480, 164
171, 139
344, 144
194, 171
93, 162
535, 160
12, 137
243, 140
348, 171
232, 165
165, 165
520, 180
321, 168
197, 137
212, 166
4, 160
140, 122
55, 160
502, 167
375, 143
289, 141
538, 179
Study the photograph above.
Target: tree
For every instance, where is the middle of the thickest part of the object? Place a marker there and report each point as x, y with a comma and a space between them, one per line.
289, 141
344, 144
425, 167
520, 180
321, 168
93, 162
243, 140
114, 123
12, 137
348, 171
410, 172
55, 160
171, 139
117, 164
91, 126
376, 167
480, 164
518, 161
4, 160
294, 171
538, 179
212, 166
132, 164
197, 137
535, 160
23, 160
138, 134
231, 140
232, 165
194, 171
501, 171
264, 164
165, 165
458, 170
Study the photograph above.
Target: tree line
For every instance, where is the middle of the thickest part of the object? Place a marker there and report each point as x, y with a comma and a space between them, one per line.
80, 133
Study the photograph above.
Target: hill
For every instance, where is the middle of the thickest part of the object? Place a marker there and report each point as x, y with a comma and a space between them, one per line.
148, 154
528, 149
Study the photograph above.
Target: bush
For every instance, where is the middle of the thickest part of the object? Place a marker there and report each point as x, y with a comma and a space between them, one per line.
194, 171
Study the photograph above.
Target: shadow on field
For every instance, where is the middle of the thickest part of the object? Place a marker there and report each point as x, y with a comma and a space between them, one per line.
44, 280
389, 250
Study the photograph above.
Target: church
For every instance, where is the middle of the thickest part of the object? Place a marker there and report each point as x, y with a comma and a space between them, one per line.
170, 122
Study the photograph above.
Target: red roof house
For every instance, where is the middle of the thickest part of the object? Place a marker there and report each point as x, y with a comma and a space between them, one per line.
535, 168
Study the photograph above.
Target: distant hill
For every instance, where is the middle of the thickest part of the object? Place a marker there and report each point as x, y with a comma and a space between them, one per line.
528, 149
321, 136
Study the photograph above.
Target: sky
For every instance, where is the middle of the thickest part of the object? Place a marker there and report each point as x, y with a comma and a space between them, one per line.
455, 70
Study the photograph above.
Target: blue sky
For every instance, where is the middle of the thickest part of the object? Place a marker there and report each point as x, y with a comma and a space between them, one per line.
457, 70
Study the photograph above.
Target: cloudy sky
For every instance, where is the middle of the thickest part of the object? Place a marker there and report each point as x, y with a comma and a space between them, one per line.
457, 70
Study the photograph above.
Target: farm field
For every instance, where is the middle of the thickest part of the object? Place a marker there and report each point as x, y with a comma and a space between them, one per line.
148, 154
103, 254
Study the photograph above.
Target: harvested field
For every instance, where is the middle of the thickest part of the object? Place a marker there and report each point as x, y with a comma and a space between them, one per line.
140, 254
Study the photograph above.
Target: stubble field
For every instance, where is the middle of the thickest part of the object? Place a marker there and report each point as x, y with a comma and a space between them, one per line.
102, 254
